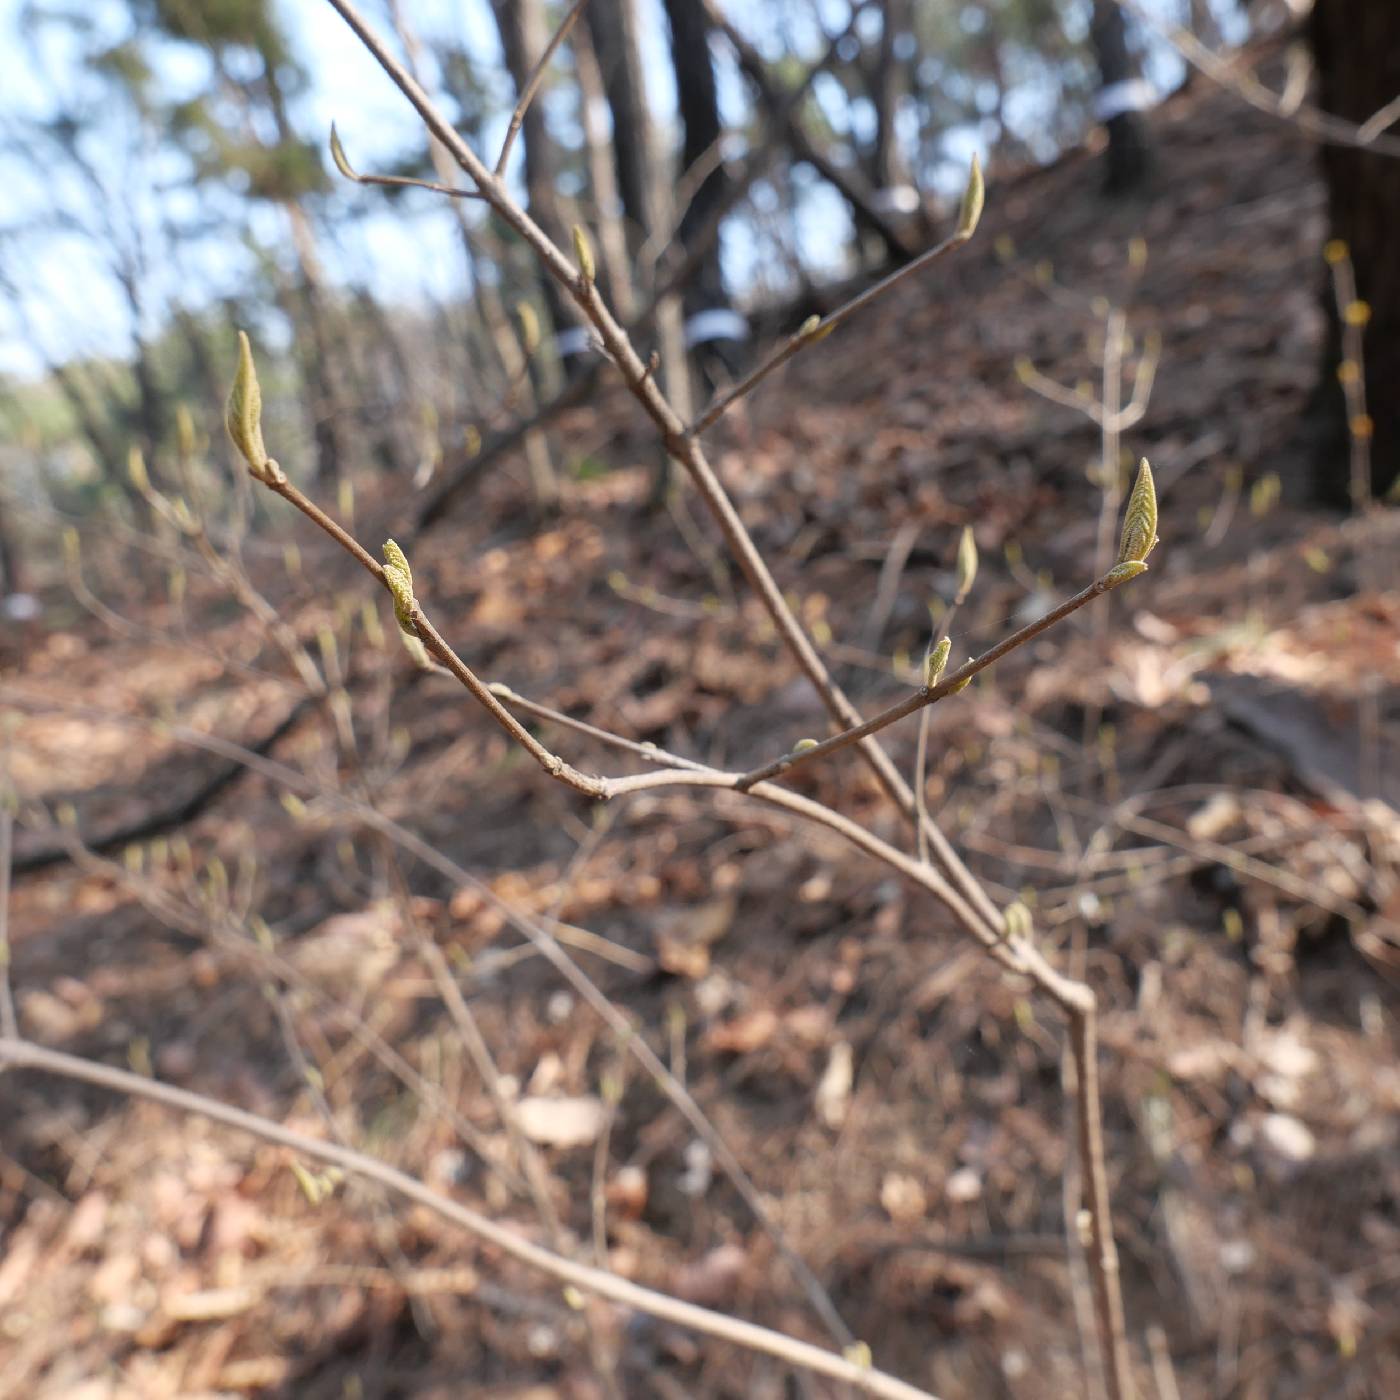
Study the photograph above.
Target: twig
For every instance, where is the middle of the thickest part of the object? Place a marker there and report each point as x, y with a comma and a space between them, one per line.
1352, 315
929, 694
26, 1055
685, 450
810, 334
548, 946
393, 182
970, 902
9, 1023
532, 84
1335, 130
1098, 1241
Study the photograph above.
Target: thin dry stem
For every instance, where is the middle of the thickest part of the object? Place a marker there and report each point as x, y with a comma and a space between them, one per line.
532, 84
25, 1055
685, 450
981, 918
724, 401
929, 694
1324, 125
9, 1023
1101, 1249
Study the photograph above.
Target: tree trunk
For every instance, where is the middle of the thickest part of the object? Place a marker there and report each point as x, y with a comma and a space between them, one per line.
1118, 102
891, 84
524, 37
699, 108
1356, 45
612, 25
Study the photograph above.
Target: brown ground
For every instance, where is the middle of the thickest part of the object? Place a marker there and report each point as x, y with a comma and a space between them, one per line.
1220, 855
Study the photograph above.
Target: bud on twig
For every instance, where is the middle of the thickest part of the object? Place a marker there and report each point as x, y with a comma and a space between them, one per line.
936, 662
974, 196
1140, 522
243, 417
583, 252
967, 564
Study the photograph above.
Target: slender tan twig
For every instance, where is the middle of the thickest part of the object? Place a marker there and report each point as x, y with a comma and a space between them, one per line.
811, 334
685, 450
9, 1023
1323, 125
549, 947
971, 904
26, 1055
929, 694
399, 182
532, 83
1352, 314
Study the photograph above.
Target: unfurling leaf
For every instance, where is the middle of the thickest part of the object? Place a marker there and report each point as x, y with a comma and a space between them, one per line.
1121, 573
184, 431
338, 156
967, 564
399, 578
243, 415
1018, 920
936, 661
1140, 522
974, 196
583, 251
136, 470
529, 327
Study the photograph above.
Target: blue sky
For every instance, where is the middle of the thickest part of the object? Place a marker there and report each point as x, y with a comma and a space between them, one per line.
72, 305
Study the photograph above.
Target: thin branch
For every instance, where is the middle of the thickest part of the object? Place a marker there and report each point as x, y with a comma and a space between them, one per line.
549, 947
1337, 131
973, 906
1096, 1238
686, 451
9, 1023
552, 764
25, 1055
532, 85
1378, 122
928, 695
1047, 388
393, 182
811, 334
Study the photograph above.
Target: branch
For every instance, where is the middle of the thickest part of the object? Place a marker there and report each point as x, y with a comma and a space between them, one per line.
393, 182
803, 147
930, 695
532, 85
1336, 131
22, 1054
815, 330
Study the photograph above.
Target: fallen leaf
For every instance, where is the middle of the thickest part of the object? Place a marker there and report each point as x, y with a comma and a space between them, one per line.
562, 1122
834, 1092
744, 1034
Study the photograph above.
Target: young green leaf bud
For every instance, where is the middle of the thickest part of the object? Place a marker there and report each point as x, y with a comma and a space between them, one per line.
936, 662
583, 252
1140, 522
243, 415
974, 196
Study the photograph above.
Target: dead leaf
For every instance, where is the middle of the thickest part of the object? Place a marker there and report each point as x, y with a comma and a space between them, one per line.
562, 1122
903, 1198
744, 1034
834, 1092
